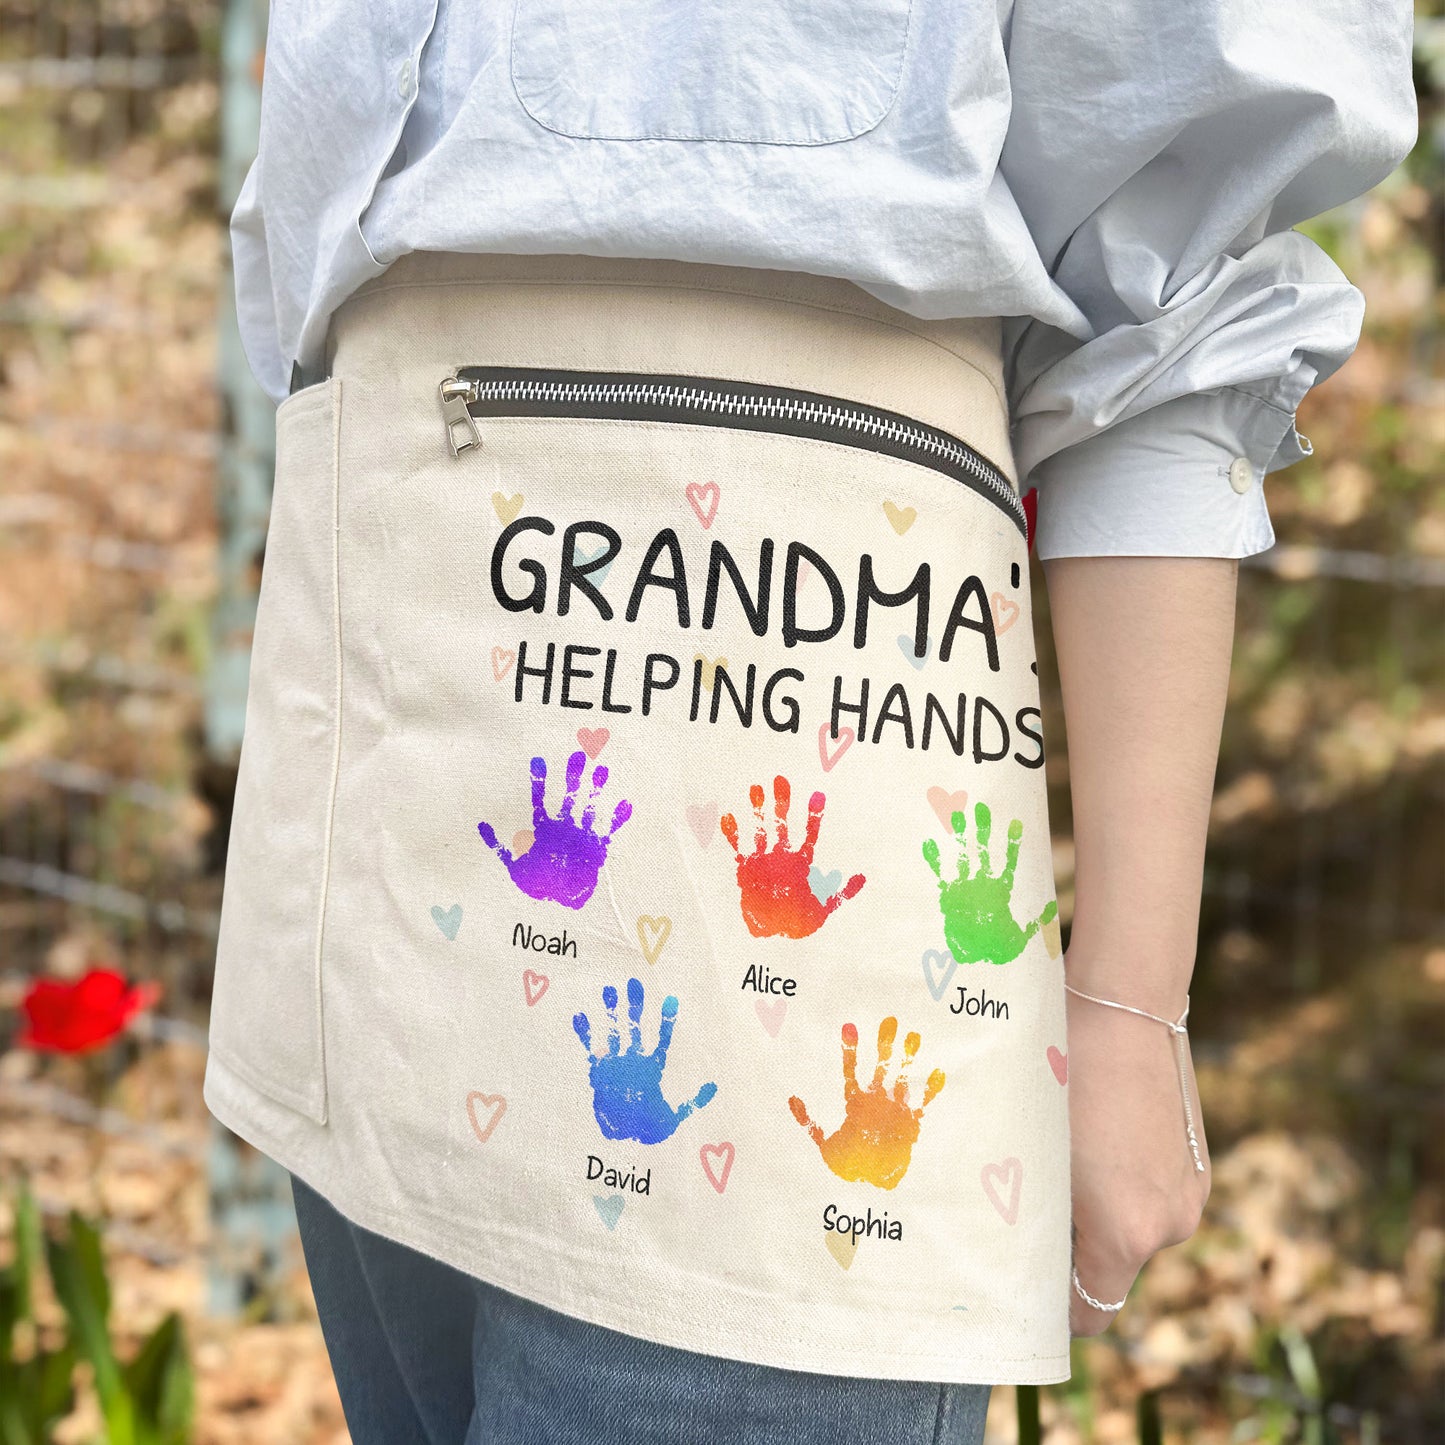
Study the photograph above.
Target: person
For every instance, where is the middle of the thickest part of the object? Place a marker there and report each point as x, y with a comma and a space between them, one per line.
669, 399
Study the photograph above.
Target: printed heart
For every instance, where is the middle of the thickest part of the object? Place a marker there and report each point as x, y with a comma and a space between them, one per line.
522, 841
831, 750
1059, 1063
902, 518
447, 919
652, 934
703, 819
507, 508
709, 669
502, 660
841, 1246
485, 1111
1004, 1179
938, 971
704, 499
946, 804
824, 885
593, 740
1031, 513
1052, 936
771, 1013
907, 645
609, 1208
535, 985
580, 559
717, 1164
1005, 612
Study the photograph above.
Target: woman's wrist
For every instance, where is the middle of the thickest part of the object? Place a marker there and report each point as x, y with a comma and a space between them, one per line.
1156, 980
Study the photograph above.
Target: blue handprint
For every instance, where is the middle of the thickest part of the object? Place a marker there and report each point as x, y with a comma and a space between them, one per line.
627, 1087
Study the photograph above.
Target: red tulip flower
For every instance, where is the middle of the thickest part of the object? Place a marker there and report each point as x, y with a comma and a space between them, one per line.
73, 1018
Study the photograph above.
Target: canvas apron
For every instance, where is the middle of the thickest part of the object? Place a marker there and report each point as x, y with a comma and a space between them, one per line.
639, 891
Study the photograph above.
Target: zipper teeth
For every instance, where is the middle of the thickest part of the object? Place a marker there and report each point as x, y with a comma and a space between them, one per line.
751, 404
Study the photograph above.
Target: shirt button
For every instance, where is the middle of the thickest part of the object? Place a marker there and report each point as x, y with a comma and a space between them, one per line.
1241, 474
403, 79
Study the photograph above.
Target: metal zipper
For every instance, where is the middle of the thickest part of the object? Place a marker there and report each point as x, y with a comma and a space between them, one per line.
474, 391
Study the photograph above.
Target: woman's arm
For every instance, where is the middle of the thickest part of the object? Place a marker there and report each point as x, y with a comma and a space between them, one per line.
1144, 646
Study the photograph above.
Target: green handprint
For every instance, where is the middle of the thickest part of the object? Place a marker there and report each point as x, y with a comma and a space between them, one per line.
978, 919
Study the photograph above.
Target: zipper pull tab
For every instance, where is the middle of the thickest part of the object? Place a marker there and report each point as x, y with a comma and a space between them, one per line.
461, 426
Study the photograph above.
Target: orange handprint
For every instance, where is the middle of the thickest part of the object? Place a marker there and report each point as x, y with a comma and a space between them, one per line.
777, 896
874, 1143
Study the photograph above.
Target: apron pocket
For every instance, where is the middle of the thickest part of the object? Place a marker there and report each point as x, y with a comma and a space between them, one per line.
723, 70
266, 1019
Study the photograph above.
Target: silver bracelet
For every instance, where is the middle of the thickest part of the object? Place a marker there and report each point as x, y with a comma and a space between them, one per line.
1180, 1033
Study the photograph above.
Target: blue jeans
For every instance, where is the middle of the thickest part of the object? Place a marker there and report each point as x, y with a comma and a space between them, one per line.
426, 1355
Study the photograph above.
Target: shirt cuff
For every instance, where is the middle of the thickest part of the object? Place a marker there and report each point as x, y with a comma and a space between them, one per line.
1183, 479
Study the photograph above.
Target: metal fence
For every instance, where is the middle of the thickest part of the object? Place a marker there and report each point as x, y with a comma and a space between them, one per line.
128, 128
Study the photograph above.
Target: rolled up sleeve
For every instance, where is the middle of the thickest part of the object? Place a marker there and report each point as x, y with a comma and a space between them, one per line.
1161, 172
1183, 479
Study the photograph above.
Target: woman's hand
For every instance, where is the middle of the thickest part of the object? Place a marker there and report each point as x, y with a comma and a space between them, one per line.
1135, 1188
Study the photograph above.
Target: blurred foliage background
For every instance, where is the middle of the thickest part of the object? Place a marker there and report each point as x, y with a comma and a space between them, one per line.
1311, 1304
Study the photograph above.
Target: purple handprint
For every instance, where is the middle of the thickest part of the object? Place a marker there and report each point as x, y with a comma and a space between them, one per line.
567, 853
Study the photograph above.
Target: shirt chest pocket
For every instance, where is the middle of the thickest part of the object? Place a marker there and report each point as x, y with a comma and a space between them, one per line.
783, 72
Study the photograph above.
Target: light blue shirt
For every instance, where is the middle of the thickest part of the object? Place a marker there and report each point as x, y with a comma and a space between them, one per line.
1118, 178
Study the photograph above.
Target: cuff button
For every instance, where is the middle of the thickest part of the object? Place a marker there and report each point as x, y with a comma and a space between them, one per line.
1241, 474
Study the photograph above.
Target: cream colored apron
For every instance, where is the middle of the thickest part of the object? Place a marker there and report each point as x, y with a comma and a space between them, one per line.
639, 891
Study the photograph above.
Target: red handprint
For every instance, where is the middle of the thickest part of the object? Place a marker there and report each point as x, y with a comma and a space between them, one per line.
776, 894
